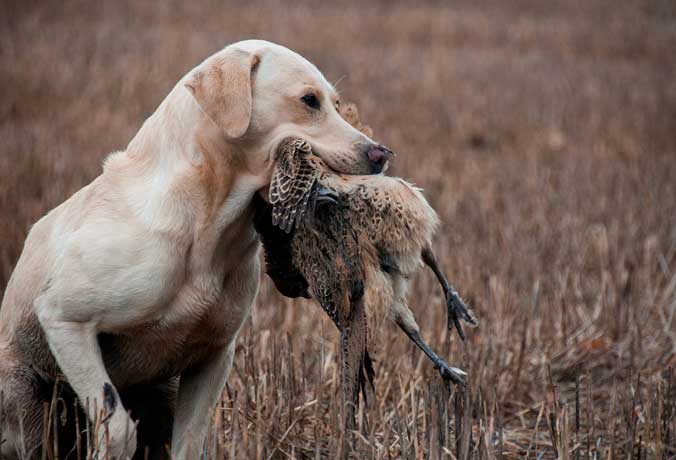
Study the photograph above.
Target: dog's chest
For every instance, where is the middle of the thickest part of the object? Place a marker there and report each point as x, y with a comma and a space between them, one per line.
203, 318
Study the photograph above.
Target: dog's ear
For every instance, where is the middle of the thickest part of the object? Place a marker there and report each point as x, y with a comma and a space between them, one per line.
222, 87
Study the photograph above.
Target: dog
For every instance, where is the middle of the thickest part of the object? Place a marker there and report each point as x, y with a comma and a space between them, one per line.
140, 282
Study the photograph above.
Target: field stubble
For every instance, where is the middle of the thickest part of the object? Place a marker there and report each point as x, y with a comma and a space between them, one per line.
543, 133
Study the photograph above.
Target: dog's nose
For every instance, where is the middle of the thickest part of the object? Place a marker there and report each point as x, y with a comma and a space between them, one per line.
378, 156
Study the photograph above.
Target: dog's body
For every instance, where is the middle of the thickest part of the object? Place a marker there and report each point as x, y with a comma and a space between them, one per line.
148, 273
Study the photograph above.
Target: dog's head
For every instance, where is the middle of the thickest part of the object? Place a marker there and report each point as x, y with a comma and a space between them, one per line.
259, 93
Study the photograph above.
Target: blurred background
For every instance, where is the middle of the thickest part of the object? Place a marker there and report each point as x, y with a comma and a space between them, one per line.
543, 132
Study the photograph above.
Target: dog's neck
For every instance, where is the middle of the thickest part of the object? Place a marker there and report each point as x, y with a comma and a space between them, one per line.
180, 174
164, 142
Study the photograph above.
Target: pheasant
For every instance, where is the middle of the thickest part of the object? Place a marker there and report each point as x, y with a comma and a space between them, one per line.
352, 242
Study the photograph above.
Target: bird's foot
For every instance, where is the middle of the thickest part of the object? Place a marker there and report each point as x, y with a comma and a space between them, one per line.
458, 311
450, 373
322, 198
325, 196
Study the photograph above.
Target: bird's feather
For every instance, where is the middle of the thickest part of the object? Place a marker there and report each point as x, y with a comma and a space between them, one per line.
291, 184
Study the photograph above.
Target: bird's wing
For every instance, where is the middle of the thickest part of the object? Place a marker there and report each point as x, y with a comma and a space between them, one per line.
292, 182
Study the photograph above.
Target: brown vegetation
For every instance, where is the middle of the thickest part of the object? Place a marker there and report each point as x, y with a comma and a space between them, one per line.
544, 134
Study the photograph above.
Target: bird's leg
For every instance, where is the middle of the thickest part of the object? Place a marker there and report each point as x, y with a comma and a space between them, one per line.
447, 372
457, 310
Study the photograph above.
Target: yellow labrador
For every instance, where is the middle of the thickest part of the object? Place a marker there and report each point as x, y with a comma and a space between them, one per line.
149, 272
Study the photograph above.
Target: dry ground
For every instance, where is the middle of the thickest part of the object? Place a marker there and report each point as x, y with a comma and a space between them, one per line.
544, 133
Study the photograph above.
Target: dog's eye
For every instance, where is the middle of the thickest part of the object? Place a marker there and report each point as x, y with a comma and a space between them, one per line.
311, 101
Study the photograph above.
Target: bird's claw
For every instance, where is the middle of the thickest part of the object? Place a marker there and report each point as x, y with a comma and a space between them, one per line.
324, 196
457, 311
450, 373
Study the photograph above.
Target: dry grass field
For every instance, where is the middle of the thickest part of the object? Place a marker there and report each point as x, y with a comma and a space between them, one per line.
544, 133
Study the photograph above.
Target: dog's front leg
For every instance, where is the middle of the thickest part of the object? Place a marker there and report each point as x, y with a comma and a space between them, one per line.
198, 394
76, 349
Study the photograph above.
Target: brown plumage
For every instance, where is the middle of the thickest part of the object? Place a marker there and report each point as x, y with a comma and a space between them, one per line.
352, 242
293, 177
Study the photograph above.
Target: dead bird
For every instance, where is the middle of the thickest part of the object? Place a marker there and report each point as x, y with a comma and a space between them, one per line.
352, 243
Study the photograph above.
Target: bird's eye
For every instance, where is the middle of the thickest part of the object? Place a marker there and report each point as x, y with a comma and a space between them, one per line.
311, 101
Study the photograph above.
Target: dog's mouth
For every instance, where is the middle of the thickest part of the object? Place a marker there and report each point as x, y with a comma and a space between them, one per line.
362, 158
283, 147
305, 146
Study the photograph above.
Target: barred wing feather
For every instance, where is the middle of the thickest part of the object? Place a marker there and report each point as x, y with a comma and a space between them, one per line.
292, 182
